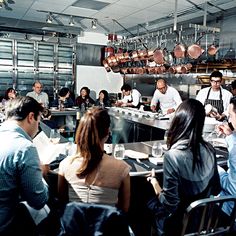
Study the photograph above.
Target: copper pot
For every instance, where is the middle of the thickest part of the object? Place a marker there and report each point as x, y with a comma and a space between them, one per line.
112, 61
124, 70
175, 69
105, 64
179, 51
140, 70
194, 51
212, 50
119, 57
126, 57
142, 54
159, 56
150, 54
186, 68
115, 69
134, 55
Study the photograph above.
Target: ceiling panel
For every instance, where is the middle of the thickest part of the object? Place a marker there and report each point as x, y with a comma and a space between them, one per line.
129, 13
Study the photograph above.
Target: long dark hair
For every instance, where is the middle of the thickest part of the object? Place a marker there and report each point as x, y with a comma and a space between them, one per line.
188, 124
106, 97
93, 127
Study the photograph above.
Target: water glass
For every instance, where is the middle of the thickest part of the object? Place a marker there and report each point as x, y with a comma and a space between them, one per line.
119, 151
157, 149
54, 136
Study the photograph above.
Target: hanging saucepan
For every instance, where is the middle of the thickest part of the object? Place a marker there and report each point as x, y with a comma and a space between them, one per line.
179, 49
139, 70
142, 54
112, 61
124, 70
158, 54
115, 69
175, 69
186, 68
195, 51
126, 57
119, 57
212, 50
106, 66
134, 55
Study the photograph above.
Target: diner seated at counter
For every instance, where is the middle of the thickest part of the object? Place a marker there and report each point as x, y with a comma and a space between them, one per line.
38, 94
83, 101
189, 169
165, 99
131, 97
91, 175
64, 99
103, 99
10, 93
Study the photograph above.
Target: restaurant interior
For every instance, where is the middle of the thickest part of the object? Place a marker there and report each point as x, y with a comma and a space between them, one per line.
103, 45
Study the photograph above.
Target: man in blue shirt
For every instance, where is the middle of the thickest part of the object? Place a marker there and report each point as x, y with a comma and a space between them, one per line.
20, 170
228, 178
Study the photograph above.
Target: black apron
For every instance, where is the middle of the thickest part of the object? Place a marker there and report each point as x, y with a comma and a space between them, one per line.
131, 100
215, 103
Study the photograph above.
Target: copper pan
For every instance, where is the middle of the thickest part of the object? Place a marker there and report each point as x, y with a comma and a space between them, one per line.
212, 50
179, 51
195, 51
119, 57
134, 55
159, 56
126, 57
175, 69
106, 66
115, 69
142, 54
112, 61
140, 70
186, 68
124, 70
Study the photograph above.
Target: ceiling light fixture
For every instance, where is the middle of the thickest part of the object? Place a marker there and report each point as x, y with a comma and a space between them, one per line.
71, 22
49, 18
94, 24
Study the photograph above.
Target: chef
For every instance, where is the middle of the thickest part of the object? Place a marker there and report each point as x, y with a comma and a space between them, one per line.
131, 97
216, 96
166, 97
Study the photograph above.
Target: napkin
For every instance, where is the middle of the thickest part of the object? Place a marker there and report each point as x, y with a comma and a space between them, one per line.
135, 154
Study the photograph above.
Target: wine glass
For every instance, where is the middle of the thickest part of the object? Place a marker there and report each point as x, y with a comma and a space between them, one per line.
157, 149
119, 151
54, 136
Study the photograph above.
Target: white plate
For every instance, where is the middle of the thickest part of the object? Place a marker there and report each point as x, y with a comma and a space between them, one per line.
219, 142
156, 160
136, 155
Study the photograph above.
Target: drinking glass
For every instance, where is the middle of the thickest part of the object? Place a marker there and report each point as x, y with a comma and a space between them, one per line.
157, 149
119, 151
54, 136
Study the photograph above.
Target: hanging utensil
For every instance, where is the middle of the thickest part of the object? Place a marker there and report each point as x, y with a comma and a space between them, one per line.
194, 51
158, 53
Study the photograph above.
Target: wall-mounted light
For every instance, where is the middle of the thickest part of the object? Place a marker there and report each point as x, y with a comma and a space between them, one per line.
49, 18
94, 24
71, 22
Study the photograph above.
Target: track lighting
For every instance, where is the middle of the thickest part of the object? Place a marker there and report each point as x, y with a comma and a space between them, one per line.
94, 24
49, 18
71, 22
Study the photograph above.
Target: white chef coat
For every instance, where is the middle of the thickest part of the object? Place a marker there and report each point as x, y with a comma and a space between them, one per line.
135, 97
171, 99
